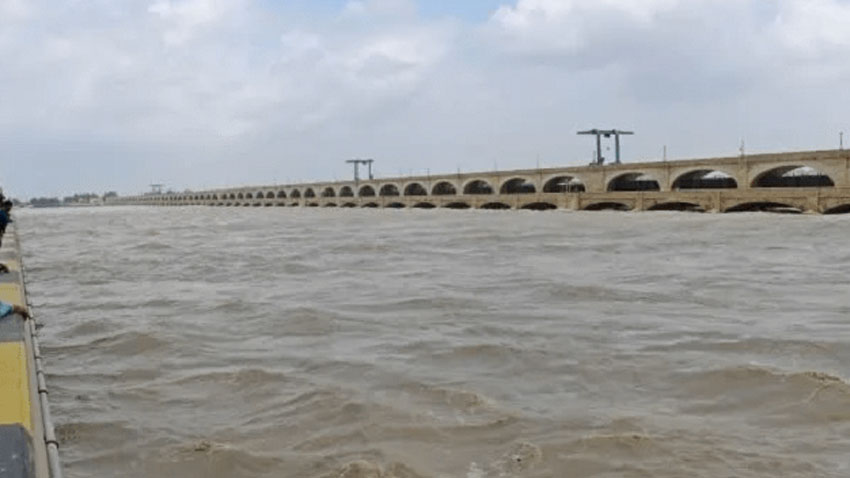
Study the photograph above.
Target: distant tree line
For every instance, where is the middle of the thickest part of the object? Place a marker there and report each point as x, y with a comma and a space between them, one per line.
84, 198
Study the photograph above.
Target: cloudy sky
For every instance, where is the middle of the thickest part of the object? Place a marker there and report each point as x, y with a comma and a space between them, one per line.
105, 94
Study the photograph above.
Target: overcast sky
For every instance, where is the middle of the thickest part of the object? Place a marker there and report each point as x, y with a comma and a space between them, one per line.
103, 94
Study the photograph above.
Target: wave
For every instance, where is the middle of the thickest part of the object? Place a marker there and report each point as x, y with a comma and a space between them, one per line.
803, 397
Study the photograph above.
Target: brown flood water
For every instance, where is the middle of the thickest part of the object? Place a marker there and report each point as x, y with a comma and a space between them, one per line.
207, 342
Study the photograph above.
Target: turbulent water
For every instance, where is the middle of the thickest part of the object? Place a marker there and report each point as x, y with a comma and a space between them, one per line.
212, 342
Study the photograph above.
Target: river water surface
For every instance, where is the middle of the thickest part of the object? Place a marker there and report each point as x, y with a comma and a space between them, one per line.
212, 342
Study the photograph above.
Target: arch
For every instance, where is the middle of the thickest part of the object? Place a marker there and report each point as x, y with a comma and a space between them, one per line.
281, 194
796, 176
232, 196
396, 205
349, 205
309, 193
415, 189
260, 195
313, 204
295, 194
240, 196
457, 205
370, 205
257, 204
677, 206
346, 192
765, 206
842, 209
294, 204
249, 196
633, 182
607, 206
389, 190
705, 179
564, 184
424, 205
495, 206
330, 204
478, 187
540, 206
444, 188
366, 191
328, 192
517, 186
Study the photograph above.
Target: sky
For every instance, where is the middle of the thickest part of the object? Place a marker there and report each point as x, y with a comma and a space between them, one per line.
99, 95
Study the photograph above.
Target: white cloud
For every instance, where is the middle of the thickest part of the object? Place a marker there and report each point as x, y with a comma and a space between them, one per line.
814, 29
185, 17
252, 90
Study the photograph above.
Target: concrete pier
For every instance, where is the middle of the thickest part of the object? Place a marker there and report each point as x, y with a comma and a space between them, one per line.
819, 182
28, 446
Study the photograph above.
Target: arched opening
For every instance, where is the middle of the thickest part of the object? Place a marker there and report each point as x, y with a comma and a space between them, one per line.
349, 205
371, 205
281, 204
705, 179
313, 204
240, 196
540, 206
415, 189
294, 204
281, 194
843, 209
329, 192
793, 177
677, 206
249, 196
396, 205
517, 186
366, 192
309, 193
389, 190
634, 182
256, 204
424, 205
479, 187
564, 184
232, 196
444, 188
765, 206
346, 192
608, 206
295, 194
495, 206
330, 204
261, 195
457, 205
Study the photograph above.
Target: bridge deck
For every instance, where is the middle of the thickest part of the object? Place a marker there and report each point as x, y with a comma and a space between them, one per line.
745, 180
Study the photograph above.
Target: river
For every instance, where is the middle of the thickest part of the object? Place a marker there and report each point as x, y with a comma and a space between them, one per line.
223, 342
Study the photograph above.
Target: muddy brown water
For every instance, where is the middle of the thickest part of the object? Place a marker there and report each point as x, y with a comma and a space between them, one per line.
211, 342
